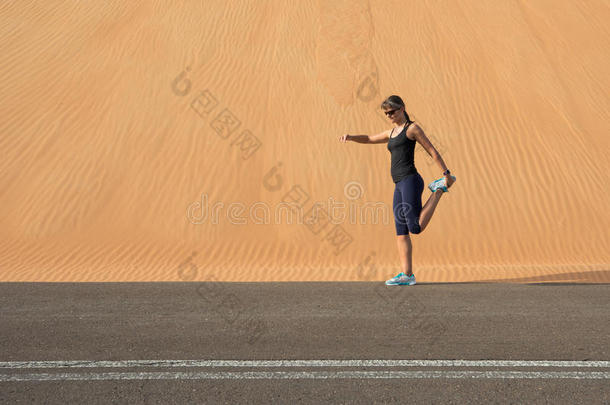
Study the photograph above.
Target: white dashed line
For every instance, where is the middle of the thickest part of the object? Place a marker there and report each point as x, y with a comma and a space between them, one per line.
228, 375
300, 363
353, 374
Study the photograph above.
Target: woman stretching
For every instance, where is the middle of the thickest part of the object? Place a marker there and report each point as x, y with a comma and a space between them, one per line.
409, 215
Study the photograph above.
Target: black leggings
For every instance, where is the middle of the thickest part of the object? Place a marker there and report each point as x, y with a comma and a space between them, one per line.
407, 204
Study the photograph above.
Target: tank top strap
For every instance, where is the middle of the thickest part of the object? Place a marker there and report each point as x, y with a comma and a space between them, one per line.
406, 128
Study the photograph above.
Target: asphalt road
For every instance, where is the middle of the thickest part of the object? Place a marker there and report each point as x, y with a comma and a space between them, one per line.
165, 343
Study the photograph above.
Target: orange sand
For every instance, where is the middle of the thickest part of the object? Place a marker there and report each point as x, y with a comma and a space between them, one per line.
109, 147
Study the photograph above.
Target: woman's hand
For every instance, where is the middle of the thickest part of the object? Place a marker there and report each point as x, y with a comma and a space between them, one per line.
449, 180
344, 138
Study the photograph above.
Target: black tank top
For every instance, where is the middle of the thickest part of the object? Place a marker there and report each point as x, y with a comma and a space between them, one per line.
402, 149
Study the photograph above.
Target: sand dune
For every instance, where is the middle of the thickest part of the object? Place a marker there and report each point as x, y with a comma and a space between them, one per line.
143, 142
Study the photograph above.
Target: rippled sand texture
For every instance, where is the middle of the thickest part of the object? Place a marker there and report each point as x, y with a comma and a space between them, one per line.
148, 142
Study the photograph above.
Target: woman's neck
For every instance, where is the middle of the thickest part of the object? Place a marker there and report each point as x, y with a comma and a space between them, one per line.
402, 123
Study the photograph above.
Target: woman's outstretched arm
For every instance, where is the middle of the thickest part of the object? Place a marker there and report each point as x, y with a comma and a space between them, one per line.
379, 138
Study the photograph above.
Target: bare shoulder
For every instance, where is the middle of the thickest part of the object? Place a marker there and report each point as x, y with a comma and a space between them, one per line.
414, 131
381, 137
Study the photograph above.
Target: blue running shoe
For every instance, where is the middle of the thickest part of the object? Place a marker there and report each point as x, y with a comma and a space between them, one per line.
401, 279
439, 184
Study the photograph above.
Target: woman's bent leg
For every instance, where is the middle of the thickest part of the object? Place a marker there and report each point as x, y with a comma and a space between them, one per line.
428, 209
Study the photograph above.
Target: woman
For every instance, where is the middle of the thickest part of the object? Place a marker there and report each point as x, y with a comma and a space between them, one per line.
409, 215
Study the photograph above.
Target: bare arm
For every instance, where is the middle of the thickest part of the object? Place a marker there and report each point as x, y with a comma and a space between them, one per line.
423, 140
379, 138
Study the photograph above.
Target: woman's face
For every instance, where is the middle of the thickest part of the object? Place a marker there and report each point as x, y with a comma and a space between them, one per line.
394, 113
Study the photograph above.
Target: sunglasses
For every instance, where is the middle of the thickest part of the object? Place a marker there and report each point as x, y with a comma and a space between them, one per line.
388, 113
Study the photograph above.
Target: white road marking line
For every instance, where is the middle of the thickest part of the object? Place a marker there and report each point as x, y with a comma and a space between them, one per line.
304, 375
300, 363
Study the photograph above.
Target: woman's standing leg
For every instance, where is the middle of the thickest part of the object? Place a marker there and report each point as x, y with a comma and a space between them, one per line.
411, 189
410, 217
407, 208
405, 250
